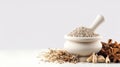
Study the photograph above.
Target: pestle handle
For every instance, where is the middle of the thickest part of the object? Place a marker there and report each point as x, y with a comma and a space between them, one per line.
99, 19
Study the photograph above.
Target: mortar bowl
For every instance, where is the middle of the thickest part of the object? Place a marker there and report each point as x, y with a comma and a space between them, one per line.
84, 46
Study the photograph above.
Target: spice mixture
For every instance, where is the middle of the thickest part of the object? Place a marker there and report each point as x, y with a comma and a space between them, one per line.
82, 32
110, 52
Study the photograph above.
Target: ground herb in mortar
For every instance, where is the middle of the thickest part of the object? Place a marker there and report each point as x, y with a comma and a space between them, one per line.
82, 32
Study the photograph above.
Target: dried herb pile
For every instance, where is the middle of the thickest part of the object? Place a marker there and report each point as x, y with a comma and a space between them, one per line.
59, 56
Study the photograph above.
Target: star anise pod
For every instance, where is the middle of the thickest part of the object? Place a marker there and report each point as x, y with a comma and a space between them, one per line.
111, 49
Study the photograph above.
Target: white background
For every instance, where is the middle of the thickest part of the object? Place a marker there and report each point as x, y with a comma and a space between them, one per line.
36, 24
29, 25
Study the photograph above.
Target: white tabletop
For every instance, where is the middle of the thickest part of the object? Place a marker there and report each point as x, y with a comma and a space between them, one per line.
27, 58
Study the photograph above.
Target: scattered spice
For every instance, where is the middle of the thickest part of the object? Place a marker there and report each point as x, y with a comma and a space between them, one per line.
82, 32
111, 50
59, 56
94, 58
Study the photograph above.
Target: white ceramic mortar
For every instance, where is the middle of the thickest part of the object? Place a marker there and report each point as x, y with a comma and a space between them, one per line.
85, 46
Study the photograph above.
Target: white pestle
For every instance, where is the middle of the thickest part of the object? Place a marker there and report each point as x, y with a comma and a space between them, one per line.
99, 19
